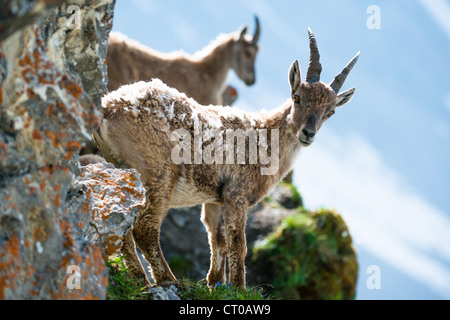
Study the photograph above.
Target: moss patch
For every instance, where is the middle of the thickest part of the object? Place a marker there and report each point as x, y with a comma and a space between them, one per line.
309, 256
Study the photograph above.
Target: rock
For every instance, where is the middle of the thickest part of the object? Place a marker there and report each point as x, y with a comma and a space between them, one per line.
262, 220
286, 195
310, 256
184, 242
17, 14
105, 202
165, 293
52, 74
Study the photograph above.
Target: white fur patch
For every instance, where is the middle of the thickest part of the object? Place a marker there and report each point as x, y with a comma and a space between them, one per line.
187, 195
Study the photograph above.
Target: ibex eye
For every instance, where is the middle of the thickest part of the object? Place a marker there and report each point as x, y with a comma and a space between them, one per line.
329, 114
296, 99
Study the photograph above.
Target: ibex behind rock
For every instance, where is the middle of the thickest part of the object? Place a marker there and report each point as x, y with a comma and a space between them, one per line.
162, 133
201, 76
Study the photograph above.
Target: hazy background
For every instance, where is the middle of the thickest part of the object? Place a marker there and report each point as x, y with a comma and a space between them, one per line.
383, 160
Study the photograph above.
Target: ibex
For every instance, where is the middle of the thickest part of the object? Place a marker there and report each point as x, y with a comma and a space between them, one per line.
142, 128
201, 76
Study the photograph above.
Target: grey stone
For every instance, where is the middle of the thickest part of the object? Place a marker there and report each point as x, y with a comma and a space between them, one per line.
165, 293
49, 106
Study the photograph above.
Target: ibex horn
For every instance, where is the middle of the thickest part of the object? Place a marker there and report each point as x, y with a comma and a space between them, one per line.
338, 81
257, 30
315, 68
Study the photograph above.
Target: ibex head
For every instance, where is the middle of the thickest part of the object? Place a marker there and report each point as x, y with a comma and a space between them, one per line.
244, 54
313, 101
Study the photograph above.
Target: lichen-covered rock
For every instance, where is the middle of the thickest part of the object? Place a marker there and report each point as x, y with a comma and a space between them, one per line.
309, 256
16, 14
105, 202
48, 109
38, 245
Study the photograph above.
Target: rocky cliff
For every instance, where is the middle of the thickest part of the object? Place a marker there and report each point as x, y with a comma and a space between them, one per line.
52, 75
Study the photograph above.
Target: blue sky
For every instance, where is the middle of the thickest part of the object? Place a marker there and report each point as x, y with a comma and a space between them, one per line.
384, 159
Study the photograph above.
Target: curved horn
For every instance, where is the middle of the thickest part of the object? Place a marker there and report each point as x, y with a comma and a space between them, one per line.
257, 30
338, 81
315, 68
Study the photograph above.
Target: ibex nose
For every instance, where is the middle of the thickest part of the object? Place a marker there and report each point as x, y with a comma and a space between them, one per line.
309, 133
250, 80
310, 128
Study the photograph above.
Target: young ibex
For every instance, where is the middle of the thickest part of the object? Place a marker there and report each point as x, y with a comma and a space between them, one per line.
201, 76
142, 127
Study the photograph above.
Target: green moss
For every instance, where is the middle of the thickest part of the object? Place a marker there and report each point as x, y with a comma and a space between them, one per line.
296, 194
309, 256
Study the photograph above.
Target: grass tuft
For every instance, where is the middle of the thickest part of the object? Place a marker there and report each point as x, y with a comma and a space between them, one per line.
122, 285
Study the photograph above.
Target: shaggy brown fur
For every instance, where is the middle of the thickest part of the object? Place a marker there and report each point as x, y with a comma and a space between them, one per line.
201, 76
138, 132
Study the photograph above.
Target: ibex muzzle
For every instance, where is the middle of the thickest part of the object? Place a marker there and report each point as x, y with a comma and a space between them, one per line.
309, 130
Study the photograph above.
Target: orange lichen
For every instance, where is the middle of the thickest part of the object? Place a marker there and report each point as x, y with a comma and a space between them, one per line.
61, 106
73, 148
67, 231
3, 151
10, 204
10, 264
39, 235
58, 200
113, 243
73, 89
53, 137
31, 94
36, 135
33, 190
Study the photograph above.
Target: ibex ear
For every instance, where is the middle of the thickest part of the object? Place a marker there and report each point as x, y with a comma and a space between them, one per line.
295, 76
242, 32
345, 97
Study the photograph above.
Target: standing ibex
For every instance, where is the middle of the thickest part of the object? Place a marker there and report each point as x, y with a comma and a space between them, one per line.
201, 76
142, 127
